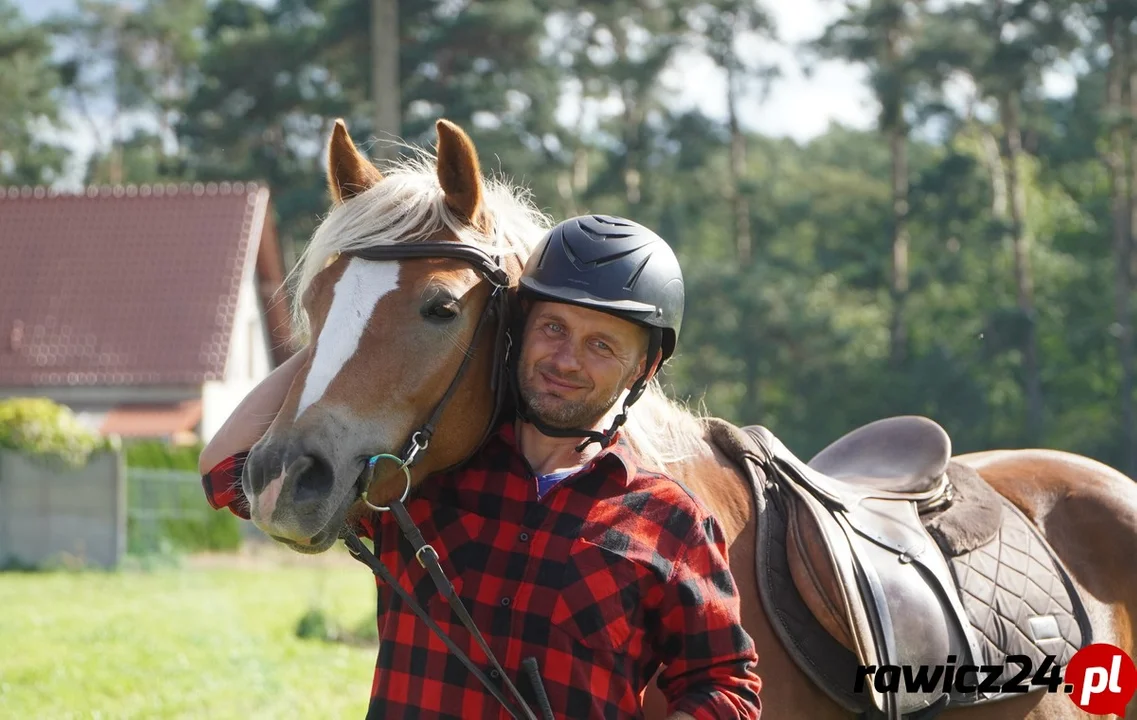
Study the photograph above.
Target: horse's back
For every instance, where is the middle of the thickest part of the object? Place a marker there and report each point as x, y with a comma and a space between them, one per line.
1088, 513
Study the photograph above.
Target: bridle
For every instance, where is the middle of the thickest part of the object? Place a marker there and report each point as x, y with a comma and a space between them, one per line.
493, 271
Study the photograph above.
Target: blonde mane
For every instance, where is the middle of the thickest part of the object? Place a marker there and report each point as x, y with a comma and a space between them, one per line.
409, 206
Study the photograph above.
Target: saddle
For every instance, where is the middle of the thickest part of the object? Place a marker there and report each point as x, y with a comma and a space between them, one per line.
876, 539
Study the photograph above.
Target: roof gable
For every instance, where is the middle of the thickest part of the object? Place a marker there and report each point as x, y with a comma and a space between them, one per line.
130, 285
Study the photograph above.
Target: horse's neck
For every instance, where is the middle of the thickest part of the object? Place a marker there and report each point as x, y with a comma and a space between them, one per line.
718, 483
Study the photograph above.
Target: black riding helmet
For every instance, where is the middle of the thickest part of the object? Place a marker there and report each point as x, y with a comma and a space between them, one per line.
617, 266
610, 264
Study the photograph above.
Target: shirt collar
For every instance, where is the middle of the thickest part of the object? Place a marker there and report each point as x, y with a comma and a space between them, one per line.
618, 455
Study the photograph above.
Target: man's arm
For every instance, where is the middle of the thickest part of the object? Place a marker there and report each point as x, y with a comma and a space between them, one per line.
252, 418
223, 459
710, 659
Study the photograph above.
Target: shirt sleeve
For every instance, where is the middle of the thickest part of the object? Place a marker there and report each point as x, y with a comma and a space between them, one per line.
710, 659
222, 485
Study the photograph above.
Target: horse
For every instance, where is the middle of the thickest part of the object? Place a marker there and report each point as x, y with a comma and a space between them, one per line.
396, 345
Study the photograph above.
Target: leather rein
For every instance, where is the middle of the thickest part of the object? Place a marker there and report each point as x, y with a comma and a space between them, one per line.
493, 271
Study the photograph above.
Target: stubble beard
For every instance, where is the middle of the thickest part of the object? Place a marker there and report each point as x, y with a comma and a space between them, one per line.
560, 412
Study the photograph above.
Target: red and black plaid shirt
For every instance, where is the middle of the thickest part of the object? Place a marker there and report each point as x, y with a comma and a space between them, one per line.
613, 573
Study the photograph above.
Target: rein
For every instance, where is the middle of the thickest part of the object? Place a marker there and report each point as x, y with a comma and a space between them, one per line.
494, 272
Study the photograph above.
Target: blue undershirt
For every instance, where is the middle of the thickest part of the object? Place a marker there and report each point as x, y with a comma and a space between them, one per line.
545, 483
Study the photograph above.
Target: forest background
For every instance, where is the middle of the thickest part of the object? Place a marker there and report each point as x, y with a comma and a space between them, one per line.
969, 257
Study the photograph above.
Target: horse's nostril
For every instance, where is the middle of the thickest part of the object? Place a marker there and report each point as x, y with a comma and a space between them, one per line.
314, 478
253, 475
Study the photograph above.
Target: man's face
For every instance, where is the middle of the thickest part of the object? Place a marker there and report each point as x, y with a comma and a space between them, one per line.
575, 362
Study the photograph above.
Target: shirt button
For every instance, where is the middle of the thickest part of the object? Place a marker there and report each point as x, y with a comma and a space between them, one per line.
495, 674
523, 537
505, 602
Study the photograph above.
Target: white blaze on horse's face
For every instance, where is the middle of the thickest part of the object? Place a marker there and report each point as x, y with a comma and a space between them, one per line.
363, 284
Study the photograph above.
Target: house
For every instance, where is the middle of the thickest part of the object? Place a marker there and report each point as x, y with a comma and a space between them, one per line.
148, 310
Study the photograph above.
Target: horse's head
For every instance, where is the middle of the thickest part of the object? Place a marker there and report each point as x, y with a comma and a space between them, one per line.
388, 333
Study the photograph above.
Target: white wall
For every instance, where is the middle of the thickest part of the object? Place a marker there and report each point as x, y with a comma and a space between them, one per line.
247, 364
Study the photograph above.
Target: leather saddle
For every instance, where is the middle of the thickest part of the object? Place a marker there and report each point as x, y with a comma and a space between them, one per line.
861, 558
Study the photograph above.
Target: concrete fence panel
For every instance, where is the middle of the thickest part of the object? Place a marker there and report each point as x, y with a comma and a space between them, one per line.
50, 513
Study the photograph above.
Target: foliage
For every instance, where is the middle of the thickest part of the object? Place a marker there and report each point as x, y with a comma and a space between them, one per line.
29, 86
192, 526
161, 454
318, 624
45, 429
1005, 327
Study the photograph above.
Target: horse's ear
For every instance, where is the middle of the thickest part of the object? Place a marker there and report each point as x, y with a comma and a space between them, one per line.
349, 172
459, 173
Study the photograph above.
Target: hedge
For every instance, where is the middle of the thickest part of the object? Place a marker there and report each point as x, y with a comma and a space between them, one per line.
41, 428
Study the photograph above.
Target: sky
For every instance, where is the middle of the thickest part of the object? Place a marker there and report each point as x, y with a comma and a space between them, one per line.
798, 106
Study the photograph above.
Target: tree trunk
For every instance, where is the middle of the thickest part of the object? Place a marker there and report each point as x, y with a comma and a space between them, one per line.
576, 179
386, 98
1024, 278
892, 111
740, 205
1123, 186
1000, 201
898, 148
632, 177
631, 119
993, 159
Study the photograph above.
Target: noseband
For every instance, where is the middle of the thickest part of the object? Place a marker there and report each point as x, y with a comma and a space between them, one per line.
492, 270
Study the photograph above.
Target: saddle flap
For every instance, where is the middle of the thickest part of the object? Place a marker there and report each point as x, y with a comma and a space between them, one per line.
874, 579
822, 565
892, 524
817, 574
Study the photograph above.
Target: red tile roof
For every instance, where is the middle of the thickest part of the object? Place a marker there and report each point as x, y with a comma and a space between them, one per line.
131, 285
153, 419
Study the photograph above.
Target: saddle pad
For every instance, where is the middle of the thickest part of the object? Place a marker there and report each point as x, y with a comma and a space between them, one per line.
972, 518
1019, 598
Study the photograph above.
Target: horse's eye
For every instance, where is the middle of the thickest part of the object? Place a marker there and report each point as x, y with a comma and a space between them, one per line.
441, 310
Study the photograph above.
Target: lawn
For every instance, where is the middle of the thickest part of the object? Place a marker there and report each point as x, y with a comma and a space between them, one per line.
197, 642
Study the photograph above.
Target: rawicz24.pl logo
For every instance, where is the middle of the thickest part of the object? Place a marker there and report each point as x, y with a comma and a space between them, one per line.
1100, 679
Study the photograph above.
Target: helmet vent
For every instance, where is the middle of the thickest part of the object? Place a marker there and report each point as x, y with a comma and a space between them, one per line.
601, 234
636, 275
570, 253
610, 220
575, 257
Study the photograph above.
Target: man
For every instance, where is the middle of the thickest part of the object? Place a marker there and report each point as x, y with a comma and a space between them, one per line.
561, 550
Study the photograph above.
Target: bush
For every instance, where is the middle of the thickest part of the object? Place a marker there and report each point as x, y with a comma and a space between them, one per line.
315, 624
219, 530
210, 530
158, 454
42, 428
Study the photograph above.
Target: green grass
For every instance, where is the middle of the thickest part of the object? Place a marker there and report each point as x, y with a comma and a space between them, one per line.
193, 643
